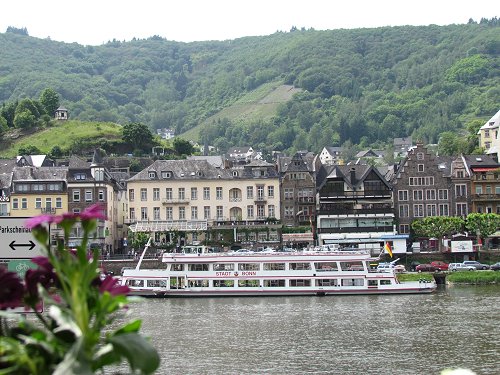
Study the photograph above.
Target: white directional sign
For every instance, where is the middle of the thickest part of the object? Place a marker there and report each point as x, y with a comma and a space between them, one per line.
16, 241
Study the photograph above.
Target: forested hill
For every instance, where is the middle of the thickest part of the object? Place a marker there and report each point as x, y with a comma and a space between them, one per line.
363, 86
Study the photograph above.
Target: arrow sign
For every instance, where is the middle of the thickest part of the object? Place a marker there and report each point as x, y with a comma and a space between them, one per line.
13, 245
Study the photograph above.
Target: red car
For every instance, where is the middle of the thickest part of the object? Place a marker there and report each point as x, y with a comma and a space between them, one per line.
426, 267
442, 266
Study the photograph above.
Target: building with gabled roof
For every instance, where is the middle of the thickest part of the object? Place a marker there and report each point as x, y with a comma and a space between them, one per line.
488, 135
331, 156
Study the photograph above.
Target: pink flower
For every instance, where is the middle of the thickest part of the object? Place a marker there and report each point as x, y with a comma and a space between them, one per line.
11, 290
109, 284
96, 211
39, 220
43, 276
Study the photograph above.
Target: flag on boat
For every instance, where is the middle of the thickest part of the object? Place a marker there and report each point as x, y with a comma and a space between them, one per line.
387, 248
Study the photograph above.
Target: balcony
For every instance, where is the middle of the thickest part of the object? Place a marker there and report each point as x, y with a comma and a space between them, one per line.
306, 199
486, 197
355, 209
386, 228
235, 199
168, 201
260, 199
355, 194
48, 210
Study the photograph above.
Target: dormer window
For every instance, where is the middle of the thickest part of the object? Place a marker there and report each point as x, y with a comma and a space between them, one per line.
152, 174
166, 174
235, 173
80, 176
420, 156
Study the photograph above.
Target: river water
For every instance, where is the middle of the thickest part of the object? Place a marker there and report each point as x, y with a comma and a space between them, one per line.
398, 334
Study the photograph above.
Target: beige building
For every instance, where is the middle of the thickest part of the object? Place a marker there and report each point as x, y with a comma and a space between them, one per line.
488, 135
190, 201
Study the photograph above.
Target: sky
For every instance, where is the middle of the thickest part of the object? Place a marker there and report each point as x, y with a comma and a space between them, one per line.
93, 22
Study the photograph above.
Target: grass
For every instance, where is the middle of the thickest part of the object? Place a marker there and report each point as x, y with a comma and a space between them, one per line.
460, 277
62, 134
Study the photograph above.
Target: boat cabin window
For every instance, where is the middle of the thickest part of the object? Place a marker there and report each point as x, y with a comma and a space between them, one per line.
300, 282
177, 282
300, 266
177, 267
248, 266
385, 282
327, 282
353, 282
274, 283
196, 250
135, 283
157, 283
372, 283
274, 266
224, 267
198, 283
351, 266
248, 283
197, 267
325, 266
223, 283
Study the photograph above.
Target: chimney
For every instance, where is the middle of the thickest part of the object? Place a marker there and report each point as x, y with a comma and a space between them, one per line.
353, 176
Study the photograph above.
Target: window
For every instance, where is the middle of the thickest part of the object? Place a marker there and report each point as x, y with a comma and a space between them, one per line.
144, 213
38, 202
24, 203
261, 212
80, 176
48, 203
420, 156
55, 187
220, 212
166, 174
218, 193
38, 187
131, 195
152, 174
168, 193
88, 195
288, 212
260, 192
156, 194
132, 214
288, 192
403, 195
250, 212
169, 213
300, 266
156, 213
58, 202
418, 195
270, 191
206, 193
76, 195
194, 213
206, 212
270, 210
421, 181
420, 167
249, 192
461, 190
15, 204
461, 209
460, 174
479, 189
182, 213
404, 229
430, 195
194, 193
418, 210
182, 194
404, 210
431, 210
101, 195
22, 187
443, 194
144, 194
444, 210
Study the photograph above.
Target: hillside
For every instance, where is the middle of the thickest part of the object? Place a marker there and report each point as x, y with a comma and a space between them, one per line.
363, 86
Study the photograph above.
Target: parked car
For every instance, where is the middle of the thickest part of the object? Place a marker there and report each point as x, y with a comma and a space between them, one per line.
460, 267
442, 266
479, 266
495, 267
426, 267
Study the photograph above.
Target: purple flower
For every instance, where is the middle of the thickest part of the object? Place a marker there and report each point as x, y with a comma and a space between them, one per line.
44, 276
96, 211
109, 284
11, 290
43, 262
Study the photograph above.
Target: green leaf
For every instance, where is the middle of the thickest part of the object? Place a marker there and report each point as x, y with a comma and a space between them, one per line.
133, 326
141, 355
74, 362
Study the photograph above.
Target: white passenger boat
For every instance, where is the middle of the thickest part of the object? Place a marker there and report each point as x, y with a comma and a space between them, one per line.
267, 274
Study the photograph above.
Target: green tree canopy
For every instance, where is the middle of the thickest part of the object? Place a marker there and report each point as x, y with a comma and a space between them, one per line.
49, 99
183, 147
482, 224
138, 136
24, 120
437, 226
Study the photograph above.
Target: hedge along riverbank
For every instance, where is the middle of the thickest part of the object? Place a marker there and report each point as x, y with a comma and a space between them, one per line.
459, 277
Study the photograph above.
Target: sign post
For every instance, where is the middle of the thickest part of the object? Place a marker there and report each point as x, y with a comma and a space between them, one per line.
16, 240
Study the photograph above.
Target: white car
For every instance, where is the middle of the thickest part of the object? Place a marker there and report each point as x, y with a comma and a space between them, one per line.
454, 267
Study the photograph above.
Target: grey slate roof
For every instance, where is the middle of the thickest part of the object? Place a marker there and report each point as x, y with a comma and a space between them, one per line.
39, 173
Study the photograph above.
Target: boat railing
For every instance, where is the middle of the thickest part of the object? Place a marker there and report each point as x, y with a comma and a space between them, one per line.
270, 254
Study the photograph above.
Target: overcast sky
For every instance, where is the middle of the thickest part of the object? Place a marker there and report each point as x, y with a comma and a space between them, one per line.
93, 22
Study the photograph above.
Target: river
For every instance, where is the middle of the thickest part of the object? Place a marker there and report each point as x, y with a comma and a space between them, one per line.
400, 334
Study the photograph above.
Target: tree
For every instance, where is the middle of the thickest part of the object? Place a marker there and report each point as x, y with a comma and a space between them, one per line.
483, 225
24, 120
138, 136
28, 105
29, 150
3, 124
437, 226
49, 99
183, 147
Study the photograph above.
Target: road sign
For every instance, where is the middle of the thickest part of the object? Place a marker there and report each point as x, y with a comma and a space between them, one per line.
16, 240
20, 266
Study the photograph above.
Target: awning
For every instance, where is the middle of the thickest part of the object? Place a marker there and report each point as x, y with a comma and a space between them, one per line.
484, 169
